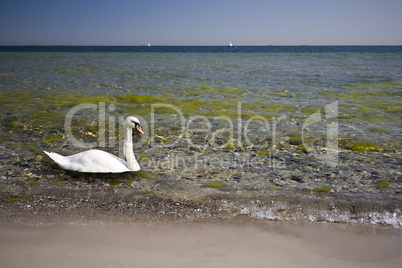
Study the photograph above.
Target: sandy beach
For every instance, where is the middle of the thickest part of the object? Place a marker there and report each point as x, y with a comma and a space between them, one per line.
202, 244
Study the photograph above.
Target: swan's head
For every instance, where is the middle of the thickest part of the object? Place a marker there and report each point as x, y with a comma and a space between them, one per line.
133, 122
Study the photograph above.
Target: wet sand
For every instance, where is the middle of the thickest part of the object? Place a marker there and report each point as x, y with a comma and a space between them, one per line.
199, 244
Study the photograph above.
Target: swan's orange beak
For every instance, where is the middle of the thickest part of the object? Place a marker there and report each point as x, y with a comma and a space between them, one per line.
139, 129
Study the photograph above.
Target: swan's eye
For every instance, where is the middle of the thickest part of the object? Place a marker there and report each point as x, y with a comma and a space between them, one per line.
135, 123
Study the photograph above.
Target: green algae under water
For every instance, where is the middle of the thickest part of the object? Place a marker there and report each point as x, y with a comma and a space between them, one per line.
41, 112
216, 184
45, 112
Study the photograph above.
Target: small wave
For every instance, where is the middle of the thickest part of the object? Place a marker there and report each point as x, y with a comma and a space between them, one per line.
282, 212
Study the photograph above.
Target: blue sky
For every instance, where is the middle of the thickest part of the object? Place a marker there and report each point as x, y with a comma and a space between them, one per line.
194, 22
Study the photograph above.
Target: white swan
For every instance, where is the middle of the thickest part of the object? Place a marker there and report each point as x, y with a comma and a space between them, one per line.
97, 161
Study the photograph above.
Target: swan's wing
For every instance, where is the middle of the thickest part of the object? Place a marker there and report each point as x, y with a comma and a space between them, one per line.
97, 161
93, 161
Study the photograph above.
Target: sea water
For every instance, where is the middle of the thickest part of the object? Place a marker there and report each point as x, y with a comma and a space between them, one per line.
278, 133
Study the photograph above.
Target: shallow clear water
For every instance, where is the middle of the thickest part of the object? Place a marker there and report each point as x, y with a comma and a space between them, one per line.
284, 136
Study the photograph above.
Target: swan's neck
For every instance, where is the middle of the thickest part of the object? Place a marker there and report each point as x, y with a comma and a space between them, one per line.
128, 150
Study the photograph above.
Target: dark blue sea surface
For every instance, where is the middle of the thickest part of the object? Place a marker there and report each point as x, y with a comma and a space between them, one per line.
207, 49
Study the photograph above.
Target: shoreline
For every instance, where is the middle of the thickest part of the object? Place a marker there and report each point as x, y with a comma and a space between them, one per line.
44, 205
217, 243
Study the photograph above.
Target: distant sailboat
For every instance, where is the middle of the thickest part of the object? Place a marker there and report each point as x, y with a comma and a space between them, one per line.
149, 44
230, 44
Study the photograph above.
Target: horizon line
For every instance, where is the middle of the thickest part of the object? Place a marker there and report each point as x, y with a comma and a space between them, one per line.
144, 45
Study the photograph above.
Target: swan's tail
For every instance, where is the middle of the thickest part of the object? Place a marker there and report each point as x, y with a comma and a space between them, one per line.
59, 159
